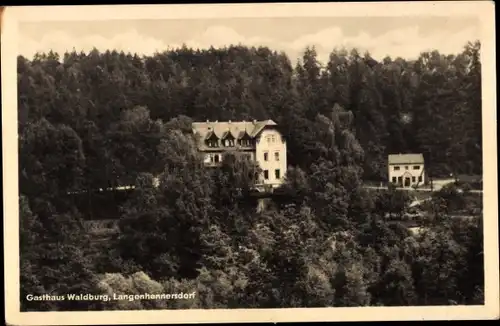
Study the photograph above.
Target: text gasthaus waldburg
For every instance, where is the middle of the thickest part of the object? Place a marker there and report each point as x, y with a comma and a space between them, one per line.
112, 297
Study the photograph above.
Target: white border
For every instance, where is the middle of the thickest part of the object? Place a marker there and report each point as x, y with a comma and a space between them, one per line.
13, 15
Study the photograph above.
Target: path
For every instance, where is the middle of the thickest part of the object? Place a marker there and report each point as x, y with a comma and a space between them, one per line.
474, 191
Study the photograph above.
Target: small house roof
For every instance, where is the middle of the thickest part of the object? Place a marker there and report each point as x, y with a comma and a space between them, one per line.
406, 159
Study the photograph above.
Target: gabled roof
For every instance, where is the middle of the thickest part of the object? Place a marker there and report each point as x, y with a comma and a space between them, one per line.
210, 134
227, 134
261, 125
406, 159
243, 134
237, 128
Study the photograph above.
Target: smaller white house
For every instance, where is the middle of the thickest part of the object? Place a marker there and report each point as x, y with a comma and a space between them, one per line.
406, 170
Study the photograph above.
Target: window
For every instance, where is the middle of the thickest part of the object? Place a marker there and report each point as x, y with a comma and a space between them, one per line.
271, 139
277, 173
406, 167
416, 167
396, 168
400, 180
266, 174
277, 156
420, 179
394, 179
211, 158
266, 156
217, 158
413, 179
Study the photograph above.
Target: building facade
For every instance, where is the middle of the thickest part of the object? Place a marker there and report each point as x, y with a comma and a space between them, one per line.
406, 170
259, 141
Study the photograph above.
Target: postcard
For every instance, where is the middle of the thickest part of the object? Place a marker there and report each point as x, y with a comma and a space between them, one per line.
249, 163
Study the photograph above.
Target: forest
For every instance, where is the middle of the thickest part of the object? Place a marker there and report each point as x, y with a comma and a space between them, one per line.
103, 119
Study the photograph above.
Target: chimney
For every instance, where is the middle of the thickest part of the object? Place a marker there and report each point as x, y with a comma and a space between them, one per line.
216, 121
254, 121
229, 121
208, 121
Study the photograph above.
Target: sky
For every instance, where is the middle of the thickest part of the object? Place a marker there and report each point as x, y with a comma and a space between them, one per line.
400, 36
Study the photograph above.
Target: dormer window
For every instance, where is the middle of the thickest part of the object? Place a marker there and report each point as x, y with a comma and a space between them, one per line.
212, 143
245, 140
228, 139
212, 140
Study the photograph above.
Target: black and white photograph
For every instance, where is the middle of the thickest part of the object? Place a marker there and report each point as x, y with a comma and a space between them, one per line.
174, 161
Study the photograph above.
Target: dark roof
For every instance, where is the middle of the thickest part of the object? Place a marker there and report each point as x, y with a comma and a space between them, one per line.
227, 134
243, 134
406, 159
209, 134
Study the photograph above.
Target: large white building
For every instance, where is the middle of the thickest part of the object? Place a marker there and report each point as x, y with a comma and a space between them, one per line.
258, 140
406, 170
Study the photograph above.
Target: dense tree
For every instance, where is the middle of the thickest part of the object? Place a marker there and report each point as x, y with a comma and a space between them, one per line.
162, 230
392, 203
53, 260
51, 161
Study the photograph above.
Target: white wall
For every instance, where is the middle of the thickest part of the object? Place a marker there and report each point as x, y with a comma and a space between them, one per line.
271, 146
407, 170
